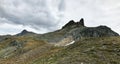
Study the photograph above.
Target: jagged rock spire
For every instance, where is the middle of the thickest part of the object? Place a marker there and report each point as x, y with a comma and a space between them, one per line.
82, 22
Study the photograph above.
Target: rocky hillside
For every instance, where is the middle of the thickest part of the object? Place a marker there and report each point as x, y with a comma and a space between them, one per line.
74, 43
77, 30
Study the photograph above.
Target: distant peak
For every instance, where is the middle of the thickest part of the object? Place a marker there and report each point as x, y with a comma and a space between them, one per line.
72, 23
24, 31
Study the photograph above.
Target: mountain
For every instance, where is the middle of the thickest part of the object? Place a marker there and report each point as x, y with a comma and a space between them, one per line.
75, 31
74, 43
78, 30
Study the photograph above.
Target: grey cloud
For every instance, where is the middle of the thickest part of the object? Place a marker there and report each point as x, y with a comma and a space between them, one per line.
34, 13
62, 5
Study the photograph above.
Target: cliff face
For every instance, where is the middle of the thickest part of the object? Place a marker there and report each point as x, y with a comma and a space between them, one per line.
100, 31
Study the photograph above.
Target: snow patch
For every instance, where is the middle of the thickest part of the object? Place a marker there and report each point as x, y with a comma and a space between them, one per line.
70, 43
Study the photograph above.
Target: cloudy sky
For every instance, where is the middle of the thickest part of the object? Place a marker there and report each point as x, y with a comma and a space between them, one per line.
43, 16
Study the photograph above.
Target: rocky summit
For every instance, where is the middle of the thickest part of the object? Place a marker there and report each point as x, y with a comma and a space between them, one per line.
74, 24
74, 43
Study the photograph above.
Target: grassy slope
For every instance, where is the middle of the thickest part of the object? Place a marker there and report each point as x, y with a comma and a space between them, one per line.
12, 54
87, 51
105, 50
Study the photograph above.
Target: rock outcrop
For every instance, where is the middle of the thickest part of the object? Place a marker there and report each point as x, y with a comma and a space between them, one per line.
78, 30
81, 22
100, 31
17, 44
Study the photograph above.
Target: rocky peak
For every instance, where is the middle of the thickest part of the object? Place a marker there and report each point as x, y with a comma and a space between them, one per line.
72, 23
25, 32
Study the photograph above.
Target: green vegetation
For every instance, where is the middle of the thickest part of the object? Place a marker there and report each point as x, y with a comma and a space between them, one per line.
104, 50
30, 50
